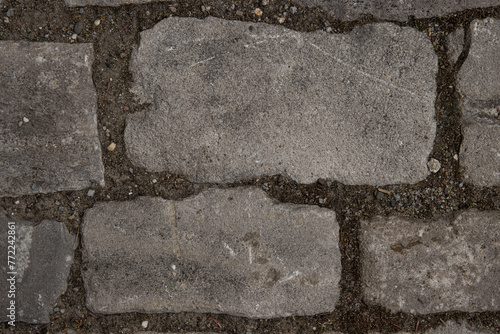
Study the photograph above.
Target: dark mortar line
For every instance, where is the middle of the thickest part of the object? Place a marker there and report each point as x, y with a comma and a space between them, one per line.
350, 317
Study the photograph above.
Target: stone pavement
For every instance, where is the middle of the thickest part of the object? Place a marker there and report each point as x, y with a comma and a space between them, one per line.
223, 105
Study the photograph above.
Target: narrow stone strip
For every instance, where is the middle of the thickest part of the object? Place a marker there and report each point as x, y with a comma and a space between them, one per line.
240, 253
446, 264
478, 82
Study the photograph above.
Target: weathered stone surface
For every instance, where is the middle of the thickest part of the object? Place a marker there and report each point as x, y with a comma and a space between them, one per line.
48, 132
456, 44
44, 254
399, 10
113, 3
451, 327
447, 264
233, 100
232, 251
478, 81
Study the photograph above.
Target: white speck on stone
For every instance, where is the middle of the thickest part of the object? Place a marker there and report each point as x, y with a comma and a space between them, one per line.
145, 324
434, 165
26, 119
173, 267
16, 202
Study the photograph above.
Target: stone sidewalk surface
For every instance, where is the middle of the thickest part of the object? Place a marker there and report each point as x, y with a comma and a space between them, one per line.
233, 100
48, 132
231, 251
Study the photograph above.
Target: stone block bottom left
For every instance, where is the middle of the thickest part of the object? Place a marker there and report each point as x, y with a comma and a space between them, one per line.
233, 251
48, 122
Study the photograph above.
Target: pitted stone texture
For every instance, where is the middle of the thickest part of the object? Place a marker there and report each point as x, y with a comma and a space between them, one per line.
452, 327
44, 255
233, 251
478, 82
233, 100
399, 10
48, 132
447, 264
113, 3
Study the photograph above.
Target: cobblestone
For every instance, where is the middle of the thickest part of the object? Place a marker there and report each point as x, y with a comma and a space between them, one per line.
478, 82
44, 255
234, 100
48, 132
447, 264
231, 251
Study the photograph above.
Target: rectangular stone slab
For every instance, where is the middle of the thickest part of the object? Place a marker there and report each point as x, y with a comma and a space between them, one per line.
233, 251
478, 82
441, 265
44, 255
400, 10
235, 100
48, 128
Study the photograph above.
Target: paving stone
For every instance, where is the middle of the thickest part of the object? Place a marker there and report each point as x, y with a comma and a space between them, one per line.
452, 327
48, 133
456, 44
44, 255
478, 81
233, 251
399, 10
234, 100
446, 264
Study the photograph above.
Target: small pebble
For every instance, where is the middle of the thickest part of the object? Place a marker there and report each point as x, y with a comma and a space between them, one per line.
195, 186
74, 36
293, 10
57, 203
329, 183
97, 22
78, 27
33, 186
239, 13
81, 10
111, 147
434, 165
61, 208
329, 29
91, 193
10, 12
281, 20
20, 123
26, 119
172, 9
56, 309
123, 55
321, 201
258, 11
16, 202
455, 157
145, 324
380, 196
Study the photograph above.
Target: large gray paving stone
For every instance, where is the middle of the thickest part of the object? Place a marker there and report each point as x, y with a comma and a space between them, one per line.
56, 147
233, 100
399, 10
233, 251
446, 264
478, 81
44, 255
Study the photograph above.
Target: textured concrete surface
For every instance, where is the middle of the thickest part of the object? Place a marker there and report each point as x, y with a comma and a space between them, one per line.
478, 82
233, 100
447, 264
44, 255
399, 10
48, 132
233, 251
